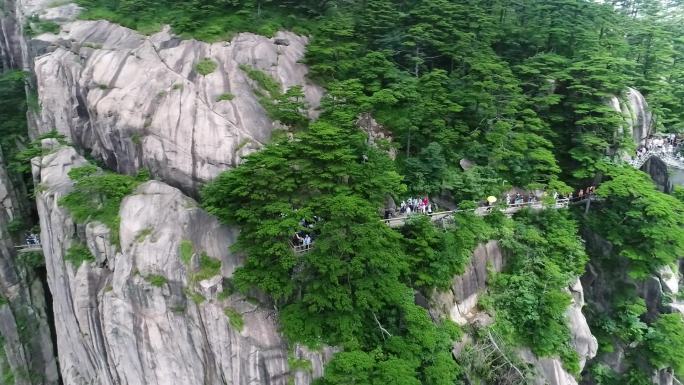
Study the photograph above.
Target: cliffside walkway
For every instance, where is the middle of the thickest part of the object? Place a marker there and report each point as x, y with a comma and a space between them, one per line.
668, 157
508, 210
29, 248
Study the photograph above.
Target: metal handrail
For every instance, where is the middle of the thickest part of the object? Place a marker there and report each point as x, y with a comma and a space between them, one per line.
509, 209
28, 248
298, 249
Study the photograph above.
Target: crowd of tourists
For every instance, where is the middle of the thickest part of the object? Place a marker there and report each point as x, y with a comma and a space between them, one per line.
668, 145
512, 199
32, 239
416, 205
305, 237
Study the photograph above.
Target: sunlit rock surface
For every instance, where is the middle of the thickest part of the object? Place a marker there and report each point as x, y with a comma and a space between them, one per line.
138, 101
115, 327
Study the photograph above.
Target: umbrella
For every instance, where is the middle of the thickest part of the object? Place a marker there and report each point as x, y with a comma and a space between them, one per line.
491, 199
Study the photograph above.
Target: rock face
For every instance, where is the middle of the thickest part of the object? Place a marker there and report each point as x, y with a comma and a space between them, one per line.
26, 350
460, 304
634, 108
138, 101
115, 327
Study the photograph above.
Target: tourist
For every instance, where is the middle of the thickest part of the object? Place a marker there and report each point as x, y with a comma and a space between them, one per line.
297, 240
307, 240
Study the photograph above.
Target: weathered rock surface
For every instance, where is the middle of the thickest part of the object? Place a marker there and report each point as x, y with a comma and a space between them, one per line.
115, 327
638, 117
138, 101
26, 349
460, 302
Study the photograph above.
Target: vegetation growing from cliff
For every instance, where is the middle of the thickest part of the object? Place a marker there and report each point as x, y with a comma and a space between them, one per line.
664, 343
434, 255
78, 254
348, 291
97, 196
529, 297
206, 66
13, 108
645, 225
287, 107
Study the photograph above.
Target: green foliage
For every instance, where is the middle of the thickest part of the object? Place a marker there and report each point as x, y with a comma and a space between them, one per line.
186, 250
287, 107
225, 96
289, 180
16, 226
644, 225
664, 343
78, 254
517, 88
142, 234
97, 196
435, 255
6, 373
22, 159
348, 291
234, 318
31, 260
35, 26
263, 80
13, 130
196, 297
298, 364
228, 289
210, 21
209, 267
156, 280
623, 321
206, 66
529, 297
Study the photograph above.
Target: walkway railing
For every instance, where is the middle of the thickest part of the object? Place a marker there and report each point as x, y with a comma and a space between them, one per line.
509, 210
299, 249
668, 157
29, 248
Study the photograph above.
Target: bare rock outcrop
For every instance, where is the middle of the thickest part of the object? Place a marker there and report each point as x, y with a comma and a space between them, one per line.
460, 301
137, 101
114, 326
636, 113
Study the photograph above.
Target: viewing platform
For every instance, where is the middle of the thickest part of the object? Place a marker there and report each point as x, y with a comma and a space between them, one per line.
300, 249
669, 158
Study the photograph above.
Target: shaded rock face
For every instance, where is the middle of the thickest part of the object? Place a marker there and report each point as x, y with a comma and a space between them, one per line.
461, 301
663, 177
26, 349
115, 327
138, 101
638, 117
10, 36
